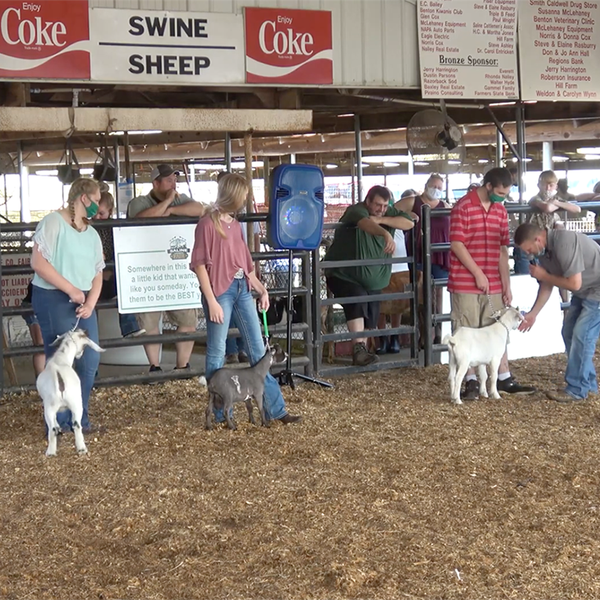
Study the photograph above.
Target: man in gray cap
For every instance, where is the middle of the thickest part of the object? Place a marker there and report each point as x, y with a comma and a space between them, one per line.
164, 201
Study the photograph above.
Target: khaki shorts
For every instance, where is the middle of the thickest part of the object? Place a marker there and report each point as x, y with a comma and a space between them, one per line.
473, 310
187, 317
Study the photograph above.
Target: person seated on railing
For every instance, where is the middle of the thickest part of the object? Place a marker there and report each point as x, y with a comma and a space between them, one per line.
368, 235
440, 234
479, 280
569, 260
546, 205
399, 280
164, 201
225, 271
67, 262
39, 360
127, 323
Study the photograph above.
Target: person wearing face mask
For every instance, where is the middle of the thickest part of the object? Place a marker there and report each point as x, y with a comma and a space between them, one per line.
164, 201
440, 234
546, 204
479, 280
570, 261
67, 263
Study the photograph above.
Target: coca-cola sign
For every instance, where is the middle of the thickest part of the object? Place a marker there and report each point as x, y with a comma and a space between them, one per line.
288, 46
44, 39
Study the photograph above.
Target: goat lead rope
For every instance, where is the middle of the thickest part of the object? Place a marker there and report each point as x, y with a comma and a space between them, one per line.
264, 314
77, 321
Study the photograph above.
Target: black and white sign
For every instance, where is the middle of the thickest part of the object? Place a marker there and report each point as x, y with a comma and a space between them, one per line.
559, 43
145, 46
467, 48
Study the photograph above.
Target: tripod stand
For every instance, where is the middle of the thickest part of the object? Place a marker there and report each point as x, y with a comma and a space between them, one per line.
286, 377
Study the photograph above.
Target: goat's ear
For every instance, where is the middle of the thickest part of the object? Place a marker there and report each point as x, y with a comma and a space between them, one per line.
497, 314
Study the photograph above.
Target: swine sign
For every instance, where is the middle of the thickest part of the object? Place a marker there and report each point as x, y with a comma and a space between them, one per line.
288, 46
44, 40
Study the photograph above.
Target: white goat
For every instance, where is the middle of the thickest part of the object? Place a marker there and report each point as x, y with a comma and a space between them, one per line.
59, 386
470, 347
228, 386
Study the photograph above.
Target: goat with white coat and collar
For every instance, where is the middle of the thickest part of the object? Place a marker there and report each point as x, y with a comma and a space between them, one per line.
471, 347
60, 388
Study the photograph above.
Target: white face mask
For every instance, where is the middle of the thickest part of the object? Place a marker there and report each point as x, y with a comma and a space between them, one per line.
434, 193
551, 193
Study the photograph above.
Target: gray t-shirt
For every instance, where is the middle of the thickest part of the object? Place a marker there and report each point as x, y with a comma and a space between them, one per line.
571, 252
137, 205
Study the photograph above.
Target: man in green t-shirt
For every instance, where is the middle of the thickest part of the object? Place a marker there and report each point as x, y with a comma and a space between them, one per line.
368, 234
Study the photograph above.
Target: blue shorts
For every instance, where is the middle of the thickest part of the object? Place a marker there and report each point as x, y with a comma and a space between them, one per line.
437, 271
29, 318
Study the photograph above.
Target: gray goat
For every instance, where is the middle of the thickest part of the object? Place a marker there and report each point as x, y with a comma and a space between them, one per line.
228, 386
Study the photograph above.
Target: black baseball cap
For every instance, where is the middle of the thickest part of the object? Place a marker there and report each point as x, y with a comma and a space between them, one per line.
162, 171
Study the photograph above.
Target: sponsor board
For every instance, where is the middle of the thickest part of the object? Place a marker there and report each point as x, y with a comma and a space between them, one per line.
45, 40
288, 46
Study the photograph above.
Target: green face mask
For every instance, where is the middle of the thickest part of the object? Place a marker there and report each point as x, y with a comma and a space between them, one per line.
494, 198
92, 210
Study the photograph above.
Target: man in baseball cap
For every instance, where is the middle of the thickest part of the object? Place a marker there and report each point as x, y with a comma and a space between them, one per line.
164, 201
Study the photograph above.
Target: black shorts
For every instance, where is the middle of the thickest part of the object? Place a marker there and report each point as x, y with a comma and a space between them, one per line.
369, 311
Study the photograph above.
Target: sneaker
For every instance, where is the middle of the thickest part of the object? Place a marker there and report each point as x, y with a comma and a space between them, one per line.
243, 357
511, 386
563, 397
471, 390
154, 369
289, 419
232, 359
362, 357
135, 334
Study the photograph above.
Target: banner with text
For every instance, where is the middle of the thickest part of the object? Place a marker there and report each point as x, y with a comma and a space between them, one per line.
467, 49
153, 268
559, 44
149, 46
42, 39
14, 287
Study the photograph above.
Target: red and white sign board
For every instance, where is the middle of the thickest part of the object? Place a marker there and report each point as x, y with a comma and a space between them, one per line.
14, 287
44, 39
288, 46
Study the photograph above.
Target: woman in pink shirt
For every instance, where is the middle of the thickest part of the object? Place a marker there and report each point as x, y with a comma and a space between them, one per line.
225, 270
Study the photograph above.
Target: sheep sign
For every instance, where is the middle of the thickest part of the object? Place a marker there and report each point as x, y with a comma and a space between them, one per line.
152, 268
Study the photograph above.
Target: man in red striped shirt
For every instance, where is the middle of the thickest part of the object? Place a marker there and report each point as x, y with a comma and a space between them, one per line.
479, 280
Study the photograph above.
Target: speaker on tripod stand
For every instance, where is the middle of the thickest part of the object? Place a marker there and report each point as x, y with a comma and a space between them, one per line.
295, 222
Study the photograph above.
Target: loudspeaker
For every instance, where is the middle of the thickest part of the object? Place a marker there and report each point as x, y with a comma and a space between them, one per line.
296, 207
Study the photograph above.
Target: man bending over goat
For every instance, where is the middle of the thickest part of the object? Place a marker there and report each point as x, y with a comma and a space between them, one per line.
60, 388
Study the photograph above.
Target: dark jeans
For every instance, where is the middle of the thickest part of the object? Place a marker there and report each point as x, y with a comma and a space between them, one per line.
521, 261
127, 323
56, 315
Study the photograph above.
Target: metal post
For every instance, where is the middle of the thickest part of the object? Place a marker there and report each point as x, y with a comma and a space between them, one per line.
250, 199
499, 148
414, 308
317, 348
292, 159
358, 144
547, 162
427, 290
117, 170
307, 317
2, 322
228, 152
25, 215
521, 148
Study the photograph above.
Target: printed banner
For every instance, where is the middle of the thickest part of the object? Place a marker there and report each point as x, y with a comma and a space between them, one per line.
468, 49
288, 46
153, 268
559, 43
45, 40
150, 46
14, 287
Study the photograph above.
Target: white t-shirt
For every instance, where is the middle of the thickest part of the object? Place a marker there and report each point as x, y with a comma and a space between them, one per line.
399, 252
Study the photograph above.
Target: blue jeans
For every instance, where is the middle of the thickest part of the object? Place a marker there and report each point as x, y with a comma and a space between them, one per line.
233, 345
580, 333
128, 324
238, 302
437, 271
521, 261
56, 315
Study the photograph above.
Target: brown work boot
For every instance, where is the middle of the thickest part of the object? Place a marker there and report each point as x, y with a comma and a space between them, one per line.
362, 357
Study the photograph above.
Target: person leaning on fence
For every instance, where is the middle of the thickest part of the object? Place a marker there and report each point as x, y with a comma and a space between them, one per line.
571, 261
368, 234
164, 201
479, 279
67, 263
546, 205
127, 323
399, 279
225, 271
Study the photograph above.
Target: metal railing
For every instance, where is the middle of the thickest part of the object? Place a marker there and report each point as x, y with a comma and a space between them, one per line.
304, 289
432, 318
